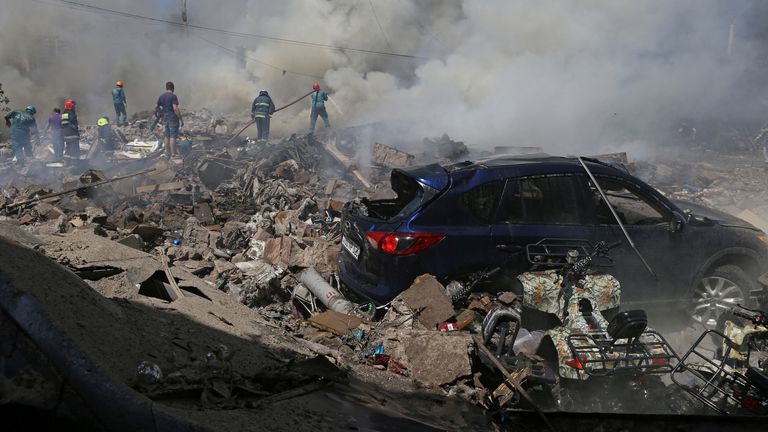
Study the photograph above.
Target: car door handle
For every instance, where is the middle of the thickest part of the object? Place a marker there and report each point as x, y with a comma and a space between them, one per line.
509, 248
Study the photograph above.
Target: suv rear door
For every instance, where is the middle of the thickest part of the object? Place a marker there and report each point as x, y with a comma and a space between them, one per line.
537, 207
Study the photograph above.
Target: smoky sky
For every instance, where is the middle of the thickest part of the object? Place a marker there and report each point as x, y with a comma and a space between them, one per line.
566, 76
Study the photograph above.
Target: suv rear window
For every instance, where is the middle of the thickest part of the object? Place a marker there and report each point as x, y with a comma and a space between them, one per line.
482, 200
543, 200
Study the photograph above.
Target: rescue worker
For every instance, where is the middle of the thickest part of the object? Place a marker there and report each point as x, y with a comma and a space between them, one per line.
57, 139
261, 110
121, 103
318, 99
168, 104
105, 136
70, 130
23, 127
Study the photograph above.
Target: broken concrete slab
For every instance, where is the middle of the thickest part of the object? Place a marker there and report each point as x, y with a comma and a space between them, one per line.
133, 241
203, 213
15, 234
432, 358
82, 250
335, 322
391, 157
428, 296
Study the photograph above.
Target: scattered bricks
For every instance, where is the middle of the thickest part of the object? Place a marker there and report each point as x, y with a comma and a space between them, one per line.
391, 157
507, 298
277, 251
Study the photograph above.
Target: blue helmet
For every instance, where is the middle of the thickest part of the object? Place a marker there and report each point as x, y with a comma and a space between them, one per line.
31, 109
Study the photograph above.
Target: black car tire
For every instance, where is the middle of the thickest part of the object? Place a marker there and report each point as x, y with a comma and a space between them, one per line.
735, 289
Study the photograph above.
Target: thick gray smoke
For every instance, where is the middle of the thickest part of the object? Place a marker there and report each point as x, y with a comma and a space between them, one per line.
589, 75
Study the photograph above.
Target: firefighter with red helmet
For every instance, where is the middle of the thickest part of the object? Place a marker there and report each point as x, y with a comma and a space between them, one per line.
121, 104
70, 130
318, 98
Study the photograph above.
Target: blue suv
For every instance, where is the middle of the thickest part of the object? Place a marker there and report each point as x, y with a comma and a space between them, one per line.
453, 221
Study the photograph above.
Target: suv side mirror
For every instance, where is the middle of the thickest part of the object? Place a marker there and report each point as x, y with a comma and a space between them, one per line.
676, 223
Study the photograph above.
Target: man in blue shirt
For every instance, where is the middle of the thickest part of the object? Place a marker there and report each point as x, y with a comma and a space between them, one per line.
23, 127
261, 109
121, 103
168, 105
318, 99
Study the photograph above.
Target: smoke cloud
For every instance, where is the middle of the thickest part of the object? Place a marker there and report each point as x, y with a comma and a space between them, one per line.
566, 76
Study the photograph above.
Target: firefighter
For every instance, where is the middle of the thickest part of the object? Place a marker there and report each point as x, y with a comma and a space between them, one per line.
121, 103
70, 130
318, 99
23, 127
105, 136
261, 111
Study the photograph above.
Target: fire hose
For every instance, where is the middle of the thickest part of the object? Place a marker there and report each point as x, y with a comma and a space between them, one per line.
254, 120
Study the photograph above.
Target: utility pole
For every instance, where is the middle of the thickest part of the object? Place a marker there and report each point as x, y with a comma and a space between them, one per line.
730, 39
184, 10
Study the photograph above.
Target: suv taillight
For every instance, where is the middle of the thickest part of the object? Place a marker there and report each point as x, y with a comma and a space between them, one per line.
401, 243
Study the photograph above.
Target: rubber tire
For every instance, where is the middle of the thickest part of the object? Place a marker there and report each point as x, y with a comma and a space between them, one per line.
736, 275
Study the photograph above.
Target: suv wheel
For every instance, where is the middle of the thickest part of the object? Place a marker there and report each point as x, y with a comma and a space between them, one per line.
718, 292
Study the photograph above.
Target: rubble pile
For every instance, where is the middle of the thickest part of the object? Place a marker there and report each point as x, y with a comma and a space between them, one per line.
257, 225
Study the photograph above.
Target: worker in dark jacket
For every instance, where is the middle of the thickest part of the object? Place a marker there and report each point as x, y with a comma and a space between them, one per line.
318, 99
121, 103
57, 139
106, 136
23, 127
70, 130
261, 110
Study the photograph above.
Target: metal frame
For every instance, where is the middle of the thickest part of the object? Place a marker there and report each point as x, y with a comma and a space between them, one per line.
602, 356
721, 388
556, 252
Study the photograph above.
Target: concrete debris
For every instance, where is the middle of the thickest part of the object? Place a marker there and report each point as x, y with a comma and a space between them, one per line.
427, 298
223, 237
432, 358
391, 157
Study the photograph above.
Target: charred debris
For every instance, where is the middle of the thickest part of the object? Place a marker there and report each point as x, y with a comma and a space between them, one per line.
243, 238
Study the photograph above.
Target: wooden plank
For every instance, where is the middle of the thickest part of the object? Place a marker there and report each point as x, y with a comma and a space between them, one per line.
174, 293
335, 322
161, 187
362, 179
330, 186
330, 147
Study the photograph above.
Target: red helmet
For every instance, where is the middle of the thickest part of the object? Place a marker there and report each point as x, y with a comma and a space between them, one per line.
119, 83
69, 104
315, 86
